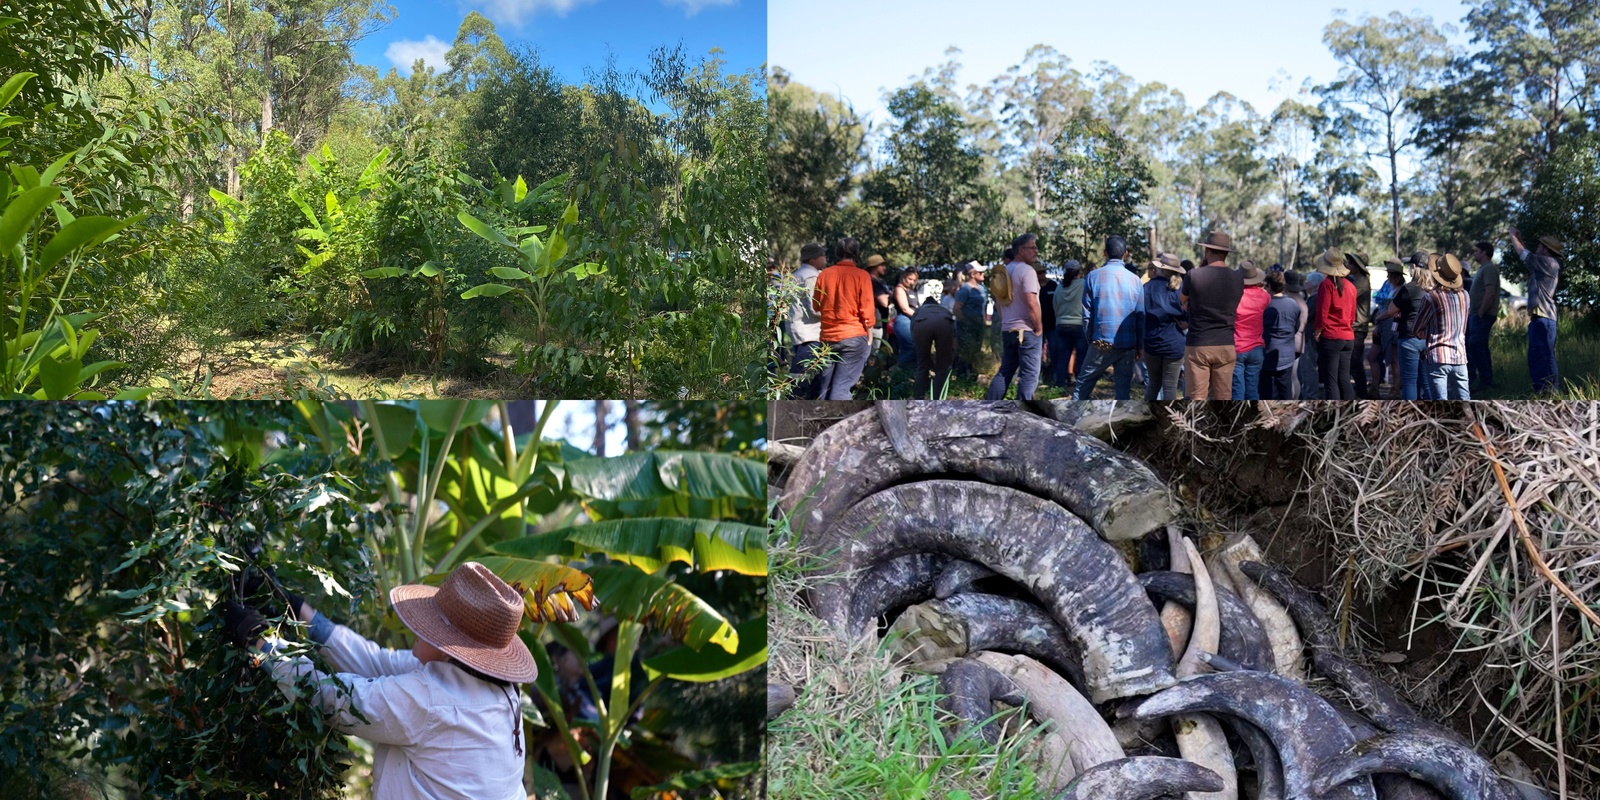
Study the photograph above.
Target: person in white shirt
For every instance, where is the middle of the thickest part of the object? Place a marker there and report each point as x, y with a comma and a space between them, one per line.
445, 718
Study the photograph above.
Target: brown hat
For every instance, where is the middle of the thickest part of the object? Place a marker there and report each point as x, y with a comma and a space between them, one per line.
1554, 244
1394, 265
1447, 270
1217, 240
1356, 259
874, 261
1253, 276
473, 618
1331, 263
1168, 262
811, 250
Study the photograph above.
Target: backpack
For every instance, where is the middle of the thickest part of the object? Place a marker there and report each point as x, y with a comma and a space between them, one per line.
1000, 285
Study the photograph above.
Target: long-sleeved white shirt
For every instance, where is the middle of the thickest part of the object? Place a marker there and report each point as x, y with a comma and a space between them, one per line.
439, 733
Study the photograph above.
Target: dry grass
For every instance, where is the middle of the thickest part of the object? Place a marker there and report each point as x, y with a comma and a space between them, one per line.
1409, 491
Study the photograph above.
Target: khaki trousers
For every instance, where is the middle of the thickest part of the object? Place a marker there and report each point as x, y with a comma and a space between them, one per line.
1208, 372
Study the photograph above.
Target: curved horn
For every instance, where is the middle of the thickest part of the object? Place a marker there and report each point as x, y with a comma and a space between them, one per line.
1053, 702
993, 622
1200, 736
1078, 577
1243, 641
996, 443
970, 688
960, 576
1449, 766
1177, 620
1288, 651
889, 585
1141, 778
1269, 771
1302, 726
779, 697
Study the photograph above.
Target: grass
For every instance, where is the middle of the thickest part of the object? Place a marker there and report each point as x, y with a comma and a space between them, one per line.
863, 727
1577, 359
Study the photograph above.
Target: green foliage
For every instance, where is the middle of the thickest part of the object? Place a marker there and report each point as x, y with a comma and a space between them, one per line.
814, 146
1096, 182
1564, 202
125, 524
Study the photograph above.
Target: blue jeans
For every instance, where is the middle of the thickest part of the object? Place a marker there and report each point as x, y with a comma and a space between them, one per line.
1014, 354
1449, 381
902, 341
804, 356
1410, 367
1480, 364
1064, 341
1247, 374
841, 376
1096, 365
1542, 354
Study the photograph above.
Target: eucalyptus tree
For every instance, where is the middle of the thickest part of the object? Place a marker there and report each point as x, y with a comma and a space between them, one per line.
1544, 56
815, 146
1384, 62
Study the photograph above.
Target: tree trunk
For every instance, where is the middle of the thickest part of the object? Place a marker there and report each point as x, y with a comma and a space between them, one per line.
602, 409
630, 420
1394, 186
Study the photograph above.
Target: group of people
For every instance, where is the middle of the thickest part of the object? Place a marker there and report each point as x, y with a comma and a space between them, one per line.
1239, 333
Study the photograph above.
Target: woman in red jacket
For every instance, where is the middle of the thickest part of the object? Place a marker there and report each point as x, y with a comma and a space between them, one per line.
1334, 316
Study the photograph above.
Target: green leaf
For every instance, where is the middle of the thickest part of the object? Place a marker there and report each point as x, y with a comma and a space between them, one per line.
550, 592
9, 90
438, 414
558, 247
134, 393
430, 269
519, 190
485, 290
686, 664
383, 272
509, 273
532, 249
661, 473
539, 546
371, 172
626, 593
586, 269
54, 169
483, 230
570, 216
83, 232
688, 781
397, 423
59, 379
20, 213
650, 543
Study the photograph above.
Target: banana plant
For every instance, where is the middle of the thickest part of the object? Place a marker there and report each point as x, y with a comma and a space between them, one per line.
541, 262
626, 526
326, 230
46, 362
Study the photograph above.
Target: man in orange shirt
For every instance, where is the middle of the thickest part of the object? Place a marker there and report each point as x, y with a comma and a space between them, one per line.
843, 299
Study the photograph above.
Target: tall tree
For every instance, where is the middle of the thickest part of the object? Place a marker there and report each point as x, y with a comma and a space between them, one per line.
1544, 59
1384, 61
1032, 105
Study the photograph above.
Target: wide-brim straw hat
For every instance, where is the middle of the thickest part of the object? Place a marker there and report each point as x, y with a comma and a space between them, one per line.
1447, 271
876, 261
1355, 259
1217, 240
1169, 263
1253, 276
1554, 244
1394, 265
473, 618
1331, 263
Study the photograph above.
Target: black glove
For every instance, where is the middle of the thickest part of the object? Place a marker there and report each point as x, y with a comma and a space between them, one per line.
263, 592
242, 624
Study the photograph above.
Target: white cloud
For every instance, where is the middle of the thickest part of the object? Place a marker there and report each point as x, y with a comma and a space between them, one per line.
693, 7
405, 52
517, 12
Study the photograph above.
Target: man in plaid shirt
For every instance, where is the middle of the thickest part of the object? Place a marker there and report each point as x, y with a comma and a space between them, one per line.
1442, 323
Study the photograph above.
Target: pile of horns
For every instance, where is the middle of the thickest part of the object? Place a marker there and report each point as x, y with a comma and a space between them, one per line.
1007, 536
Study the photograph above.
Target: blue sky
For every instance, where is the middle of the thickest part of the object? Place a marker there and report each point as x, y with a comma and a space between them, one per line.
1260, 50
572, 35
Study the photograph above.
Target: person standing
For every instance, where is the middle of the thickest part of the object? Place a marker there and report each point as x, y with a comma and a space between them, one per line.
971, 300
1443, 324
933, 334
1358, 277
1210, 296
1021, 327
878, 268
1113, 310
1164, 324
1068, 341
1403, 309
1247, 330
1281, 324
1381, 356
905, 299
1544, 269
1335, 315
947, 294
805, 325
1483, 308
1294, 288
844, 300
1047, 312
